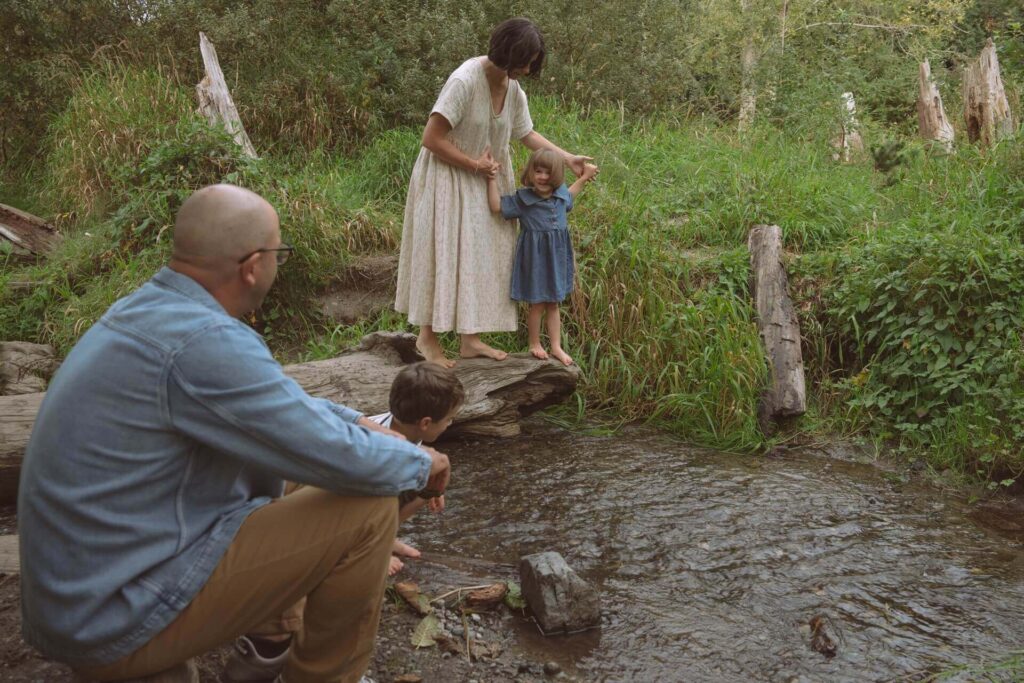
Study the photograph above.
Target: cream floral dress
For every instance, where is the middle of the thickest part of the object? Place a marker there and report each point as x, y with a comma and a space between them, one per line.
455, 268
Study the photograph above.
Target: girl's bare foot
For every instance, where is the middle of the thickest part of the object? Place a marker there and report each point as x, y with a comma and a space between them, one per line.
538, 351
394, 565
403, 549
562, 356
433, 352
474, 348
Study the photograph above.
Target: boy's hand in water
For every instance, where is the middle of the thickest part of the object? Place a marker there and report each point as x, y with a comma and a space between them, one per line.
440, 474
436, 505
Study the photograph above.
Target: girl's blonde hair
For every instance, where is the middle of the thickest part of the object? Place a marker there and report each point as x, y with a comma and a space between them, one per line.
547, 159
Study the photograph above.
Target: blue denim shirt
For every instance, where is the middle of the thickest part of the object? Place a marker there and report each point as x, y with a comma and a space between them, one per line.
166, 426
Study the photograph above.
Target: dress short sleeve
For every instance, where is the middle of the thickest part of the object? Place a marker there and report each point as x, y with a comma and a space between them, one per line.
522, 124
511, 207
453, 101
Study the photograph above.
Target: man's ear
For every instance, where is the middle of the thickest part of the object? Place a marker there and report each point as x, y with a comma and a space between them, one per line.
247, 269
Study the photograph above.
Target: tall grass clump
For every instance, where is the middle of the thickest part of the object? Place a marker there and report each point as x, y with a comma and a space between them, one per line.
115, 117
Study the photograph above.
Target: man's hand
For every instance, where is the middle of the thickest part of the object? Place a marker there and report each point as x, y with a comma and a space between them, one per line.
440, 473
374, 427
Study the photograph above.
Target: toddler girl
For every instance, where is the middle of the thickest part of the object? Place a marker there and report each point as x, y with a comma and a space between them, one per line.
543, 272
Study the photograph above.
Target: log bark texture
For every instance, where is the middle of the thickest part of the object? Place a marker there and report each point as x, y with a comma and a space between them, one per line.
986, 109
498, 395
931, 116
26, 232
778, 326
25, 368
215, 100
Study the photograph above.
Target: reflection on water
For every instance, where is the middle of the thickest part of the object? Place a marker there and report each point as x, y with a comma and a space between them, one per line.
710, 565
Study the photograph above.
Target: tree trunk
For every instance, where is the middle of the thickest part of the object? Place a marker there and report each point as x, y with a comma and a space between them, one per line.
215, 101
849, 142
748, 86
986, 110
778, 326
498, 395
931, 116
27, 232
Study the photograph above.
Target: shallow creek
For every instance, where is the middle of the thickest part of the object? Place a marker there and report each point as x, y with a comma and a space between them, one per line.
711, 565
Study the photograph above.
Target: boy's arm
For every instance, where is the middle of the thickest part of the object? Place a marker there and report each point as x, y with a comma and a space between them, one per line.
493, 196
589, 173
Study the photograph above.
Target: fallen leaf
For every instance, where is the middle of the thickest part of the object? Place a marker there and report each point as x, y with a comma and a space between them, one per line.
409, 678
514, 596
486, 598
426, 631
448, 644
821, 641
410, 592
482, 649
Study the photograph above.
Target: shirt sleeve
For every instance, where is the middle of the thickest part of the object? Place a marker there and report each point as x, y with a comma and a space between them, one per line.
511, 207
226, 391
522, 124
453, 101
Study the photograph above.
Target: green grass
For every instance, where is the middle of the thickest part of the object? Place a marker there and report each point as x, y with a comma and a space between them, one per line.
661, 322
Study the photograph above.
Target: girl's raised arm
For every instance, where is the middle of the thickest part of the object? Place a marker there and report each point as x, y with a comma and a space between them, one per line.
589, 173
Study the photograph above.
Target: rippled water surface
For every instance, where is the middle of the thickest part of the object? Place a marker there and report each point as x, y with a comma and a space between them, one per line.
711, 565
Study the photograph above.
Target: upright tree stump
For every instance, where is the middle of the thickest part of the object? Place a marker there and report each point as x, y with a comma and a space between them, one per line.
931, 117
986, 109
780, 331
215, 101
849, 141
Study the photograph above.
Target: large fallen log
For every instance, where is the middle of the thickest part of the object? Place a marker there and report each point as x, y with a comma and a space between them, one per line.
498, 395
26, 232
778, 326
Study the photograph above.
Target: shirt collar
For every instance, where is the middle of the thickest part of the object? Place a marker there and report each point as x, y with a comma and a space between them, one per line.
529, 197
172, 279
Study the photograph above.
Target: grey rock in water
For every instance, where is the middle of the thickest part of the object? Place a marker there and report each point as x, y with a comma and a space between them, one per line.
561, 601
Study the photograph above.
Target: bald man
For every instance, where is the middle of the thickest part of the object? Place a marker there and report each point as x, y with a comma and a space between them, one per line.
151, 516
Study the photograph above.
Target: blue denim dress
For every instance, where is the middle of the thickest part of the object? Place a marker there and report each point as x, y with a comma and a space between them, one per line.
543, 270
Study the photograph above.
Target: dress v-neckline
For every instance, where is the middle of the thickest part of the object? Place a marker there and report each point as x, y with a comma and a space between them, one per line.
490, 100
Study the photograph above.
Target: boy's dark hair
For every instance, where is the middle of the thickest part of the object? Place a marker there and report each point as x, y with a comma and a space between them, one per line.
514, 42
424, 390
548, 159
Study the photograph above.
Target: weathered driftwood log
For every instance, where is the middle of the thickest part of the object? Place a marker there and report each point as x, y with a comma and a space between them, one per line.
215, 101
986, 109
26, 232
25, 367
497, 394
778, 326
931, 117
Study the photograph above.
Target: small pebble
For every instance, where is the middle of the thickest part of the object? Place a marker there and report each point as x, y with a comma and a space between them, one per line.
552, 669
475, 617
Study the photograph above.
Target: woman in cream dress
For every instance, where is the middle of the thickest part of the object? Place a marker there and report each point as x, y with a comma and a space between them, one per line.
455, 266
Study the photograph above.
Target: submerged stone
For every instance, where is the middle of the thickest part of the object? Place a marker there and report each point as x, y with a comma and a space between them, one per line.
561, 601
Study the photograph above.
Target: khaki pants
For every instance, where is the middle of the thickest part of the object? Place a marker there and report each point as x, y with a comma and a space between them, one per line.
330, 550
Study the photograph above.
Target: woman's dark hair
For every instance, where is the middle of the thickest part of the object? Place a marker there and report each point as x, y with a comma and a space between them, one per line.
514, 42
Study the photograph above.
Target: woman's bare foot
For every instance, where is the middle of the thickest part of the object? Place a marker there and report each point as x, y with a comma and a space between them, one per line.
394, 565
538, 351
474, 348
403, 549
432, 352
562, 356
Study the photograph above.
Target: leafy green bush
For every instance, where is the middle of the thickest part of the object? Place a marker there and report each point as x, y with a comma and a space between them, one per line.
931, 328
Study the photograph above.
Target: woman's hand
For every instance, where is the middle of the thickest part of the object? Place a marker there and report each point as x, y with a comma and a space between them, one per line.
485, 165
578, 162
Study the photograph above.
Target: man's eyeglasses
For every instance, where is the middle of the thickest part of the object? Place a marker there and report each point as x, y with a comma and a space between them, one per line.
283, 252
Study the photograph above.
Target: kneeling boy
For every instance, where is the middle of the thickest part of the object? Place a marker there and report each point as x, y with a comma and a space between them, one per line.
424, 400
